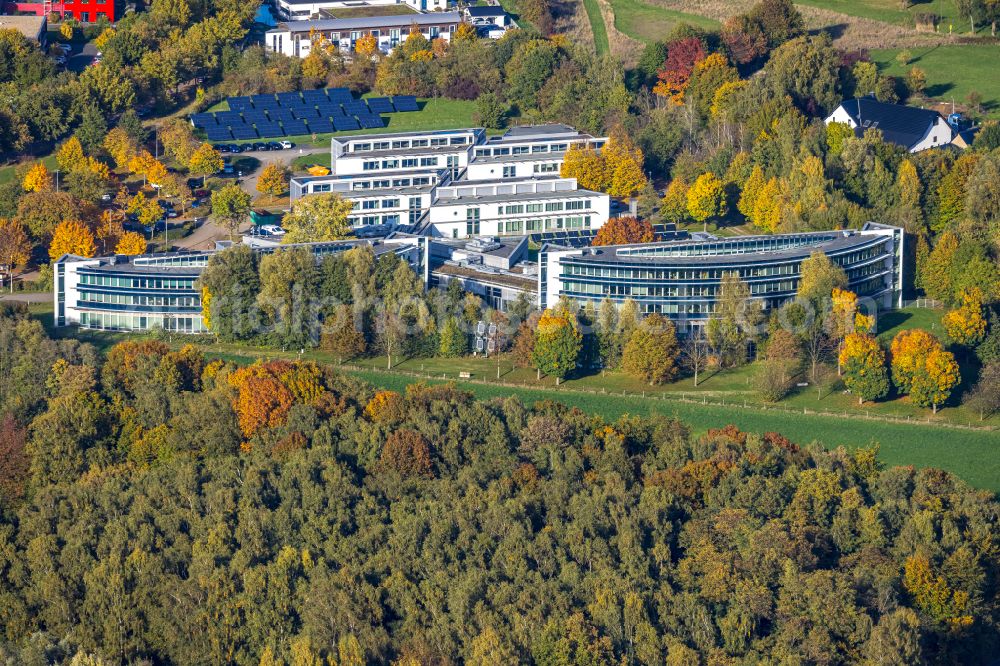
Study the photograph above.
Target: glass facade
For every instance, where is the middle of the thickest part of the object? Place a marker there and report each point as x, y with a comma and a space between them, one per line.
687, 288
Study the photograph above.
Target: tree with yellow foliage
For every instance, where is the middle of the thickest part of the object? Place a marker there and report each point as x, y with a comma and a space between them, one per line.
933, 382
315, 66
102, 39
768, 208
932, 594
863, 363
589, 168
908, 352
623, 160
142, 163
109, 229
205, 161
366, 46
70, 156
38, 179
707, 198
272, 180
131, 243
121, 147
66, 30
674, 207
466, 32
966, 324
72, 237
750, 191
15, 247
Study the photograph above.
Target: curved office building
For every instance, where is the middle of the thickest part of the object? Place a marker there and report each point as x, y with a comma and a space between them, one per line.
681, 278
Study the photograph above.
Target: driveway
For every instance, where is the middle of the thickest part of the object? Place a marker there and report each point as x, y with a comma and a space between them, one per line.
266, 157
80, 58
27, 297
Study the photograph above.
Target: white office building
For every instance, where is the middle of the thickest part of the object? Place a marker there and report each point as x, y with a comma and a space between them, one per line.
460, 183
464, 209
303, 10
526, 152
296, 38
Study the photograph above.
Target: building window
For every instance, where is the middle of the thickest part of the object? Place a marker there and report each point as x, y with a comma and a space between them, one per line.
428, 161
509, 171
471, 221
534, 208
553, 206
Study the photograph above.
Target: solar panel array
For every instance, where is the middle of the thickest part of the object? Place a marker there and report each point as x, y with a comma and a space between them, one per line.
296, 113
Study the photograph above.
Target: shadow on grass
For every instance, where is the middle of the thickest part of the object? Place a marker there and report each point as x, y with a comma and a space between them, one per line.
891, 319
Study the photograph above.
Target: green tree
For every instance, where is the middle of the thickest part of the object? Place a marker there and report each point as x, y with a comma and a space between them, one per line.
288, 280
651, 353
557, 344
231, 279
231, 207
322, 217
453, 339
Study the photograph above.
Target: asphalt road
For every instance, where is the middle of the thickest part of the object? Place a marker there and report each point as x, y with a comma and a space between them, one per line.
80, 58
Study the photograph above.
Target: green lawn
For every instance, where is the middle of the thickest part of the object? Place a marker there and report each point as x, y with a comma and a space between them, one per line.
952, 71
967, 453
650, 23
8, 173
890, 11
435, 113
597, 26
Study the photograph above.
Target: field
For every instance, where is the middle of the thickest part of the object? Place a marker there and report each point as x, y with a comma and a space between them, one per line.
8, 173
649, 22
952, 71
597, 27
890, 11
968, 454
906, 434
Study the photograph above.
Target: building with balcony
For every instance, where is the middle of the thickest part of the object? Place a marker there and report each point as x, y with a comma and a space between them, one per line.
295, 38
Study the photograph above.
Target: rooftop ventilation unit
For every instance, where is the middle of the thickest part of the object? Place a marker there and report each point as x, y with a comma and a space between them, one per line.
483, 244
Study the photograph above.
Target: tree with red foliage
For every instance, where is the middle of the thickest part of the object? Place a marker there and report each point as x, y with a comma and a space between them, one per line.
13, 460
408, 453
623, 231
682, 56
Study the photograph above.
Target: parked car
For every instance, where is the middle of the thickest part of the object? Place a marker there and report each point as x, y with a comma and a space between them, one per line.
271, 230
159, 225
171, 214
219, 147
65, 48
260, 145
286, 144
273, 145
106, 196
201, 194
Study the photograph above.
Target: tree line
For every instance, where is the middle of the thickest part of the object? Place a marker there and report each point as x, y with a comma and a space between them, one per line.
157, 506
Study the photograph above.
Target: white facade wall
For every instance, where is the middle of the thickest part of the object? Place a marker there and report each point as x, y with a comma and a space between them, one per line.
938, 134
496, 170
463, 210
296, 38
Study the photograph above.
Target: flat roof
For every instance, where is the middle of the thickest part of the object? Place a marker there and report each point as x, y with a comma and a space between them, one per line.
485, 10
402, 135
433, 18
497, 277
521, 196
29, 26
620, 253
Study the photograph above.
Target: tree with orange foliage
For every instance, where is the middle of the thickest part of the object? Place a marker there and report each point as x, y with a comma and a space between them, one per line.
682, 56
15, 247
863, 364
922, 368
966, 324
623, 231
265, 392
384, 406
407, 453
909, 350
131, 244
72, 237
